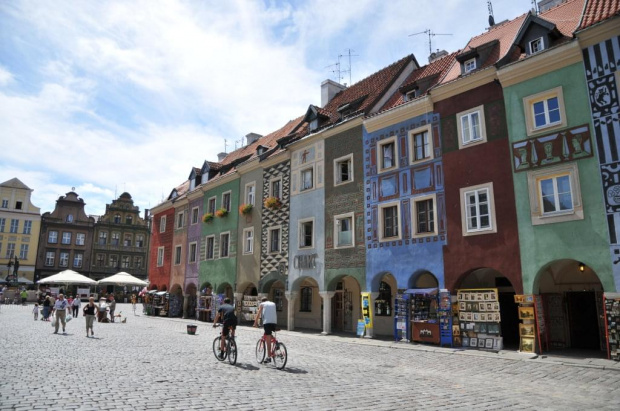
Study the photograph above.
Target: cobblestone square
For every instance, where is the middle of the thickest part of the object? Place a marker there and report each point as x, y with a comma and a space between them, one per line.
152, 363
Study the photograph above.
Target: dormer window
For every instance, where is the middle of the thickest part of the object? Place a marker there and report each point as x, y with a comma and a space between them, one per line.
314, 124
469, 65
536, 45
412, 94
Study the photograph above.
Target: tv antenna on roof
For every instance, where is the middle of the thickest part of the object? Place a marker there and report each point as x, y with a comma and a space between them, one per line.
430, 34
338, 67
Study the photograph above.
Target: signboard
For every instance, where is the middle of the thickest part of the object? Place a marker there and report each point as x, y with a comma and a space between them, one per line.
361, 327
367, 310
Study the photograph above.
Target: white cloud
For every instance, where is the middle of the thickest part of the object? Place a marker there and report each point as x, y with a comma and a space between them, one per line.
5, 76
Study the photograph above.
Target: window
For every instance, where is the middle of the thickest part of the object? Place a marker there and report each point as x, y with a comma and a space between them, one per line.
125, 261
278, 298
23, 251
162, 224
77, 260
307, 179
536, 45
113, 261
471, 127
478, 210
103, 238
276, 188
544, 111
10, 250
100, 260
424, 212
52, 237
127, 240
128, 220
226, 201
383, 303
305, 304
140, 240
274, 240
555, 194
116, 238
306, 229
63, 260
69, 218
420, 141
343, 231
224, 244
211, 205
250, 193
343, 170
14, 225
389, 221
66, 238
160, 256
248, 240
137, 262
27, 226
469, 65
193, 247
2, 223
195, 216
387, 153
50, 256
5, 203
80, 238
180, 220
210, 252
117, 219
18, 205
177, 255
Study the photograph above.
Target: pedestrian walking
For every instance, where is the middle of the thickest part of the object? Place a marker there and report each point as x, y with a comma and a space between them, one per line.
112, 307
24, 296
47, 305
60, 309
75, 306
35, 311
90, 310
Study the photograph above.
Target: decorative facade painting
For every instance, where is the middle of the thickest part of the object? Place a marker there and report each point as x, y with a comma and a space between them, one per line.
601, 65
567, 145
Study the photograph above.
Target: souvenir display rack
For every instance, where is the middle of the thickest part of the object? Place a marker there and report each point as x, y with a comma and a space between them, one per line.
445, 318
204, 311
249, 307
479, 319
612, 325
532, 326
424, 315
401, 317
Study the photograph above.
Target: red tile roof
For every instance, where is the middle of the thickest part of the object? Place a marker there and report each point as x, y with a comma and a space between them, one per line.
597, 11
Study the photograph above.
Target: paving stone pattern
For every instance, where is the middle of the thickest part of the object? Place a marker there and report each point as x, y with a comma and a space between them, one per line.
152, 363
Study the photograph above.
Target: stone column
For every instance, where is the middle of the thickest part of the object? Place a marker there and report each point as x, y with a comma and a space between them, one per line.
327, 311
290, 314
370, 331
185, 304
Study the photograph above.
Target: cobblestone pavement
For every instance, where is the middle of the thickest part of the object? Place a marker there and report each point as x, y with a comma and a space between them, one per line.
152, 363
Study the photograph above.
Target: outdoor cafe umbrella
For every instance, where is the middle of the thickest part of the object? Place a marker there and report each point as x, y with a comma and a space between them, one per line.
122, 278
22, 280
67, 277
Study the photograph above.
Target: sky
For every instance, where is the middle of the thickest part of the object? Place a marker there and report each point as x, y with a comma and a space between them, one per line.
106, 97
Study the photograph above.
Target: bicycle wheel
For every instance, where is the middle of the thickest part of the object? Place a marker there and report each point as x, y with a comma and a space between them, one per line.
217, 350
280, 356
260, 351
231, 350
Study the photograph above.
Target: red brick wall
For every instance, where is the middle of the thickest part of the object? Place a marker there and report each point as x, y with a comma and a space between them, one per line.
160, 276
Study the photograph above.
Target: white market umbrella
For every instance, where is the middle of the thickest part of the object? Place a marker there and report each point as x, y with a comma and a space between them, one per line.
68, 277
123, 278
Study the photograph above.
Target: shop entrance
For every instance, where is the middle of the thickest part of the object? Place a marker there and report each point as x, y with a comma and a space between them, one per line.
583, 322
341, 308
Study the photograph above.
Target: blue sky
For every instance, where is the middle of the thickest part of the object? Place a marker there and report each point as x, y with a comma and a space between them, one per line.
118, 96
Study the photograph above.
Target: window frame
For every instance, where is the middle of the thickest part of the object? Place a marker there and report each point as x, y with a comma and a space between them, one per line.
27, 227
344, 159
23, 251
483, 130
75, 258
411, 137
227, 205
195, 217
386, 141
338, 218
270, 230
528, 107
279, 181
2, 224
570, 169
464, 205
49, 237
245, 241
14, 228
160, 256
50, 258
469, 65
178, 254
531, 43
210, 238
125, 261
66, 255
162, 224
77, 238
381, 224
305, 299
249, 195
301, 178
10, 251
66, 238
301, 234
212, 204
180, 220
414, 216
192, 252
102, 235
227, 249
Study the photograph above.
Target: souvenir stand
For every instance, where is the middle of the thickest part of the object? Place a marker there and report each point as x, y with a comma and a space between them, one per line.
249, 308
402, 330
204, 312
149, 298
445, 318
424, 317
612, 325
176, 305
532, 331
479, 319
160, 303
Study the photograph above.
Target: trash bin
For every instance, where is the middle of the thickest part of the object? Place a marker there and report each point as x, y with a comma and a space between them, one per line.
191, 329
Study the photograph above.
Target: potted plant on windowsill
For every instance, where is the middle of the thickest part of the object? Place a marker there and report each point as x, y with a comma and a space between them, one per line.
207, 217
273, 203
221, 212
245, 209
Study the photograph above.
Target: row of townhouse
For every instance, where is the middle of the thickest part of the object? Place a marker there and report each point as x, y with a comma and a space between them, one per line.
493, 167
68, 238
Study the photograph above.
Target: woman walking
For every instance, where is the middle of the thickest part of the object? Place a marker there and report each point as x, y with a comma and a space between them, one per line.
46, 309
90, 310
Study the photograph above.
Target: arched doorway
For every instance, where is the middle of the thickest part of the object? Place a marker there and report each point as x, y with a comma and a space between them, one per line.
192, 300
423, 279
345, 304
385, 288
176, 301
572, 296
225, 289
485, 278
308, 305
275, 289
248, 305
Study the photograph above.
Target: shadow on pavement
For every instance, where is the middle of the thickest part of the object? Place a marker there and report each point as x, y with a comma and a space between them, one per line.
247, 366
294, 370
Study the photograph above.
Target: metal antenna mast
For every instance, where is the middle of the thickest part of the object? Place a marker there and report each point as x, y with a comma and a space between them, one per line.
430, 34
336, 70
225, 145
350, 68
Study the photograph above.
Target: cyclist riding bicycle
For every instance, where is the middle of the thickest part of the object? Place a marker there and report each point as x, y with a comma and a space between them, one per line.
226, 314
267, 312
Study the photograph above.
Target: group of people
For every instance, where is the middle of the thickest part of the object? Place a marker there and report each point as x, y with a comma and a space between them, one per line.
49, 304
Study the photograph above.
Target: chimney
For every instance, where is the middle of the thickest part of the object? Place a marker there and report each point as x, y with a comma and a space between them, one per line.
437, 55
221, 156
329, 89
252, 137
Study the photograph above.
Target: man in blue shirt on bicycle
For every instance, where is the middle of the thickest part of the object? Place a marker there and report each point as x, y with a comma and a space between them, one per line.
267, 312
226, 314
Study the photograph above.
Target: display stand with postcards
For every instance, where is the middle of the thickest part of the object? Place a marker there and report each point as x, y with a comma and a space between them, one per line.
445, 318
531, 327
401, 317
612, 325
479, 319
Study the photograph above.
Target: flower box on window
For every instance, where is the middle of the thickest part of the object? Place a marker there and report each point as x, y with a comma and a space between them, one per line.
207, 217
273, 203
221, 212
245, 209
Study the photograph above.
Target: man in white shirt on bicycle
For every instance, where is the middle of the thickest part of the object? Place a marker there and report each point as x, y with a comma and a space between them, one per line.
267, 312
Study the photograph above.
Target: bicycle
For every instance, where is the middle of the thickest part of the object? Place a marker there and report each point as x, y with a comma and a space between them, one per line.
278, 351
230, 351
